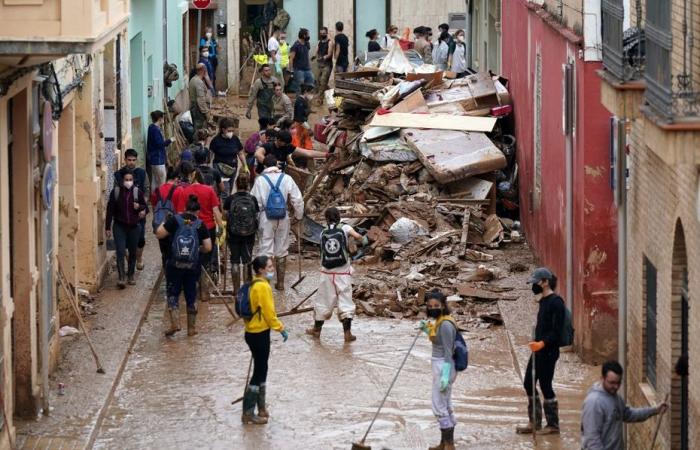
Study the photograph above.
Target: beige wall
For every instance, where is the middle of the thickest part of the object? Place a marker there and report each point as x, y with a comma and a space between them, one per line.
572, 10
340, 11
410, 13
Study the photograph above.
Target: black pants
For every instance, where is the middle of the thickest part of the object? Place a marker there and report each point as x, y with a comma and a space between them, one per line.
544, 373
165, 245
259, 344
126, 239
210, 261
241, 248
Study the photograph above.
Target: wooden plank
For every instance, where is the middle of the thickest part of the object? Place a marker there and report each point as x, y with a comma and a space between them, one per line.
465, 230
413, 103
434, 121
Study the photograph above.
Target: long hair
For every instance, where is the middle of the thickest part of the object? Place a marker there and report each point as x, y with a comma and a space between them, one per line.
436, 294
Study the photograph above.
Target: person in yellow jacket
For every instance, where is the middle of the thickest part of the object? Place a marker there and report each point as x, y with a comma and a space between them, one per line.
284, 58
257, 336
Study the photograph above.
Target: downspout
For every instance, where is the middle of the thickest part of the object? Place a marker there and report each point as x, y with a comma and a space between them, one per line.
165, 45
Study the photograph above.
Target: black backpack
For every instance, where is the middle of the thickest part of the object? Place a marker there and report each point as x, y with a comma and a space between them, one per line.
334, 247
208, 177
242, 215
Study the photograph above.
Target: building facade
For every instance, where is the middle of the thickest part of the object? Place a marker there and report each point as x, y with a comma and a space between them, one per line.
63, 118
563, 154
655, 97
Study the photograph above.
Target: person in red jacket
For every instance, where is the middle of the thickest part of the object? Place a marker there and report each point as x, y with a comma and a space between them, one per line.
163, 193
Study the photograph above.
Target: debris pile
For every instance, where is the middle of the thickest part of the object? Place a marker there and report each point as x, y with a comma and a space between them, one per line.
418, 164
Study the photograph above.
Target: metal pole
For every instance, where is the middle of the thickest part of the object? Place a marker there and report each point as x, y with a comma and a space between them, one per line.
199, 30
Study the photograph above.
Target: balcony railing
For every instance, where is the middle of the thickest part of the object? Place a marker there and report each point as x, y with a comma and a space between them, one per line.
623, 50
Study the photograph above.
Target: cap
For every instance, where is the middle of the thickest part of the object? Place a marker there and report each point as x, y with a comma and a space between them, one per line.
541, 273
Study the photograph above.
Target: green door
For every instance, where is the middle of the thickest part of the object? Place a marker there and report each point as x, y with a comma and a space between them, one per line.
368, 14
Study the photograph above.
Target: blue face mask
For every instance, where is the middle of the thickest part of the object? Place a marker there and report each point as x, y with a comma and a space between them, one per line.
270, 276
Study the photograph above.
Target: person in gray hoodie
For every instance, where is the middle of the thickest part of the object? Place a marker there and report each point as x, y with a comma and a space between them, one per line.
604, 412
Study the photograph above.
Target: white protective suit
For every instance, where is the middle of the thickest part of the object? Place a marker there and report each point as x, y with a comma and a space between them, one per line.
335, 289
274, 234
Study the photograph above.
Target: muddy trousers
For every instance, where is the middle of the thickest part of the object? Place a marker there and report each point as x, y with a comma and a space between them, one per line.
210, 261
545, 364
179, 280
241, 248
126, 238
259, 345
442, 400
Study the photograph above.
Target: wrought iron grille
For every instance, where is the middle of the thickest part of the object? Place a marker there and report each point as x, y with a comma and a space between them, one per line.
613, 54
659, 44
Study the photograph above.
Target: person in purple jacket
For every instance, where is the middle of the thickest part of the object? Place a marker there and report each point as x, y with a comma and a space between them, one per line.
125, 209
156, 146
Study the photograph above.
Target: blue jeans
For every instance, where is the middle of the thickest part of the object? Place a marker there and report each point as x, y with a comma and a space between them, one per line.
179, 280
126, 238
302, 77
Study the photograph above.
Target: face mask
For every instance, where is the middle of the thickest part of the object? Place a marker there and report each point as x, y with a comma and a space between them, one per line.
434, 313
537, 289
228, 135
283, 40
460, 38
205, 54
208, 35
270, 276
307, 38
128, 184
322, 37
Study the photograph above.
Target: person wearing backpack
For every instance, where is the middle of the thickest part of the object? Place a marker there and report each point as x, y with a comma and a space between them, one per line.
444, 336
242, 212
261, 318
335, 289
163, 208
126, 208
189, 238
210, 176
549, 330
274, 191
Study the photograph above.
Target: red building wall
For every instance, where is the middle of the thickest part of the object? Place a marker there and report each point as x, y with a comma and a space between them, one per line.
528, 31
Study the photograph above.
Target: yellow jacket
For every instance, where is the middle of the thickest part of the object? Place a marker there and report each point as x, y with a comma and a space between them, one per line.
261, 297
284, 55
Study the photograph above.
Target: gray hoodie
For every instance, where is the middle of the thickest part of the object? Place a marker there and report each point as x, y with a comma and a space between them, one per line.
602, 418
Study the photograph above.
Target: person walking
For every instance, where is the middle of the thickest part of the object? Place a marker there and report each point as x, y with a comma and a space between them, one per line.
604, 412
163, 208
300, 62
284, 61
209, 78
422, 45
274, 188
257, 336
130, 165
390, 38
261, 92
210, 175
302, 104
335, 289
156, 146
189, 239
373, 44
211, 45
126, 208
282, 107
458, 59
545, 352
341, 49
242, 211
273, 49
199, 98
283, 151
227, 150
443, 336
441, 51
324, 60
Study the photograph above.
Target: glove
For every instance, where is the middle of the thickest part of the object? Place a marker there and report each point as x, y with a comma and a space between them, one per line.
365, 241
248, 115
245, 169
424, 326
536, 346
285, 335
445, 377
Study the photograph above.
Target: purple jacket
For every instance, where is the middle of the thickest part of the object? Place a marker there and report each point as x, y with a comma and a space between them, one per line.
122, 209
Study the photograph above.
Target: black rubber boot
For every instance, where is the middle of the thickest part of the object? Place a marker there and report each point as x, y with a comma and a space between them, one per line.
347, 330
551, 413
449, 436
535, 412
262, 407
316, 330
250, 400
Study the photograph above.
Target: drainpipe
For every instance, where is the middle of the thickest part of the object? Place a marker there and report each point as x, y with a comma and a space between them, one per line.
621, 200
569, 127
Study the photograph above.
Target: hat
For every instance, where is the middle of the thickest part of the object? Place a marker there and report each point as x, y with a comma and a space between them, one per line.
541, 273
186, 155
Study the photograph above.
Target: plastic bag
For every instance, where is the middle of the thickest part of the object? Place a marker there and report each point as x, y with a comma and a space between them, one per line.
405, 230
396, 62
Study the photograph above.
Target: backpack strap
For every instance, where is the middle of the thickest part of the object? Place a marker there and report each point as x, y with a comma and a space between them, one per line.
276, 186
158, 196
170, 194
279, 182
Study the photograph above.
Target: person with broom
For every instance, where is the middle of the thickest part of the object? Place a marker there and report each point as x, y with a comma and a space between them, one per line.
257, 336
335, 289
443, 336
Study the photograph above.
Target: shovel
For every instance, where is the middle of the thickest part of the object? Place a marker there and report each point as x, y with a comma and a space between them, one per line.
301, 278
361, 445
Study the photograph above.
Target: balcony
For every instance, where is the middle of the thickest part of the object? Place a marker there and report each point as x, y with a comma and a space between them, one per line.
36, 31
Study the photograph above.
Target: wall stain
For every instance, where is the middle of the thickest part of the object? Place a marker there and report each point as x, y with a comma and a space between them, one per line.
596, 258
594, 172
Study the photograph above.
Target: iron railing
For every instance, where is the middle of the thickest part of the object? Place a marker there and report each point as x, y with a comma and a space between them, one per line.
623, 50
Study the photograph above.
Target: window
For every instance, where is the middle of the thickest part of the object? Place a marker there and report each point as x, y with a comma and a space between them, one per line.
612, 17
659, 42
650, 322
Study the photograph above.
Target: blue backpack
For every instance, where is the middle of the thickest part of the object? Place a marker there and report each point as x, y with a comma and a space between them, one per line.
243, 308
461, 353
164, 208
184, 252
276, 206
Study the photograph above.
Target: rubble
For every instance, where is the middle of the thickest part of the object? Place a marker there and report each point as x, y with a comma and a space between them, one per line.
416, 168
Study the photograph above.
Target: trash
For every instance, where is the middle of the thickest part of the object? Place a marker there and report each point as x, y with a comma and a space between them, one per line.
434, 122
67, 330
405, 230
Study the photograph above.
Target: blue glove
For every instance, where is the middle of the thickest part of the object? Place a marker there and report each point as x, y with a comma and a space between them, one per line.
365, 241
285, 335
445, 377
424, 326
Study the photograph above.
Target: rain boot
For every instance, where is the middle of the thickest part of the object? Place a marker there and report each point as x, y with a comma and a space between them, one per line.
236, 276
532, 411
191, 323
441, 445
174, 316
551, 413
449, 436
262, 408
139, 258
250, 399
315, 331
347, 325
121, 282
280, 268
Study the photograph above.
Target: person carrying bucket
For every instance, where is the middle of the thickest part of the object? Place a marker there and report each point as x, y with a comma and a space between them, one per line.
443, 336
335, 289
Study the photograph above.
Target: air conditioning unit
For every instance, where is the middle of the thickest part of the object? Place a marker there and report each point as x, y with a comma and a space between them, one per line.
457, 21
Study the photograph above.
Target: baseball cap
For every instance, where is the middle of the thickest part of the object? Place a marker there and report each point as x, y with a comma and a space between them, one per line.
541, 273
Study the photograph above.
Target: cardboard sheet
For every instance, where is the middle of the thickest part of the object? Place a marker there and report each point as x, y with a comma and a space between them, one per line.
434, 122
454, 155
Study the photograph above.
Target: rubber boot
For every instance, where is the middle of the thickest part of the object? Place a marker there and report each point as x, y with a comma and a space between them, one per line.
441, 445
537, 414
236, 277
121, 281
250, 399
191, 323
347, 325
262, 407
139, 259
449, 436
174, 316
280, 268
204, 288
551, 413
315, 331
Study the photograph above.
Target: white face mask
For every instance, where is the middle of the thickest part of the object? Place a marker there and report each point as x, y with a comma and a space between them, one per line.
128, 184
208, 35
228, 135
270, 276
205, 54
460, 38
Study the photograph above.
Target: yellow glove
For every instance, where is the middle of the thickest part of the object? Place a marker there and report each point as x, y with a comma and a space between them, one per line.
245, 170
221, 239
